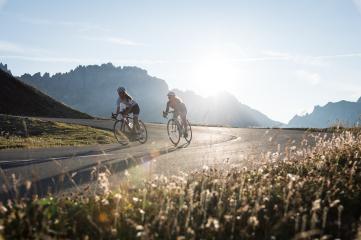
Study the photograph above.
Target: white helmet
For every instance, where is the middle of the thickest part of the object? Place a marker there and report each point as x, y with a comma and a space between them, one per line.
171, 93
121, 89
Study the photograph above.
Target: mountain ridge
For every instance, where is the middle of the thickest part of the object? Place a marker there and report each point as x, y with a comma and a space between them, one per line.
345, 113
92, 89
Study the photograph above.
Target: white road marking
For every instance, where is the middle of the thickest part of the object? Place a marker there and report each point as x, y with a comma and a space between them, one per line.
54, 159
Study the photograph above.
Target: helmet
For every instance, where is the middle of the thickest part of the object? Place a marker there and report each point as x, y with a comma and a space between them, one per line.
121, 89
171, 94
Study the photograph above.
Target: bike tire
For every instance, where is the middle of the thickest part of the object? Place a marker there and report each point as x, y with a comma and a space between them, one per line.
119, 134
189, 131
173, 129
144, 132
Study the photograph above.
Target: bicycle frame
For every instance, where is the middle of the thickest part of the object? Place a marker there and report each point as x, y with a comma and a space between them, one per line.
124, 119
129, 128
176, 117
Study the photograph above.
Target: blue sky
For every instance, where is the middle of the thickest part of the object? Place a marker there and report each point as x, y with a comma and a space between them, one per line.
280, 57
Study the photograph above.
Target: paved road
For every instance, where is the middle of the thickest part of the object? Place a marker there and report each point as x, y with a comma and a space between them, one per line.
210, 146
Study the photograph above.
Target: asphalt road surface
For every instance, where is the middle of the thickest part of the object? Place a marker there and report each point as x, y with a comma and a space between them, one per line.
54, 169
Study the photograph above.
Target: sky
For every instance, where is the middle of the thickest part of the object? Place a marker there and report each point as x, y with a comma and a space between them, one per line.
277, 56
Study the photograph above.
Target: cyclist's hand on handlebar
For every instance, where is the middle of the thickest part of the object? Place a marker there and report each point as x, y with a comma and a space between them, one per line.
165, 114
115, 115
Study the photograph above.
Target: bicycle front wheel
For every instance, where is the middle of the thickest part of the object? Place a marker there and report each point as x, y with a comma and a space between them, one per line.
119, 132
189, 132
143, 134
174, 133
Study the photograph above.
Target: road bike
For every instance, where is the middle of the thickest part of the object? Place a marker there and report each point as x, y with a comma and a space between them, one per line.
175, 129
124, 130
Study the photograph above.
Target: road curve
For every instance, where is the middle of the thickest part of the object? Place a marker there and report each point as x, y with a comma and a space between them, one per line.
36, 165
210, 146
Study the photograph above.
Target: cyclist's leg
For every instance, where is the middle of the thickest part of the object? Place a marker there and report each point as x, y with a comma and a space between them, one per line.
136, 110
183, 115
123, 119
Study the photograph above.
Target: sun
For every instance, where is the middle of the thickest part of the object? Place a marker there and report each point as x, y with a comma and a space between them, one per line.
214, 73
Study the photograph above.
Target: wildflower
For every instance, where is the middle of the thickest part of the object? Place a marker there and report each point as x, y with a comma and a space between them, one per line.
103, 217
118, 196
139, 228
316, 205
105, 201
292, 177
212, 222
27, 185
334, 203
3, 209
253, 221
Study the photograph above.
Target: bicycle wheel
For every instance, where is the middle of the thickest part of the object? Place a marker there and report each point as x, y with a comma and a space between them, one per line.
119, 133
174, 133
189, 132
143, 134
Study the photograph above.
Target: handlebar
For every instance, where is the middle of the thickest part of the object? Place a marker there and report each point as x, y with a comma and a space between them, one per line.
115, 115
165, 114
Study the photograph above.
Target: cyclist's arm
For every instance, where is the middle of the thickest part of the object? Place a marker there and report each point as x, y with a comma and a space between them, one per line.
118, 106
128, 108
167, 108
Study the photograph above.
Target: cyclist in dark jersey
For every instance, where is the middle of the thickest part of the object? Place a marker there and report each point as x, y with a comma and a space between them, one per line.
131, 106
180, 109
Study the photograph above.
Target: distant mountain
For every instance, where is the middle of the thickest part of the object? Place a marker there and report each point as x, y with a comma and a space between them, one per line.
4, 67
343, 112
92, 89
18, 98
223, 108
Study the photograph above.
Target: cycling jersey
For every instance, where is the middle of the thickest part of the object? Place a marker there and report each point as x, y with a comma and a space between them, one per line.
177, 105
127, 102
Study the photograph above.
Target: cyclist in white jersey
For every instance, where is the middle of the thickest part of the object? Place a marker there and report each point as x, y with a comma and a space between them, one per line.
131, 106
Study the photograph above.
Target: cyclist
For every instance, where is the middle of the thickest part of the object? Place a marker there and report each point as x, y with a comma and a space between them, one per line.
180, 109
131, 106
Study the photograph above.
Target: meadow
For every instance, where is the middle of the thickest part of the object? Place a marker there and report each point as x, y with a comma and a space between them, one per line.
312, 191
26, 132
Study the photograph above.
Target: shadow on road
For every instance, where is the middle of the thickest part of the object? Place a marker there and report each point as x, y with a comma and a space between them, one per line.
11, 189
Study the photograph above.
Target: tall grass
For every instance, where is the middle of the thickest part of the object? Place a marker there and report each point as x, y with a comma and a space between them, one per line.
303, 193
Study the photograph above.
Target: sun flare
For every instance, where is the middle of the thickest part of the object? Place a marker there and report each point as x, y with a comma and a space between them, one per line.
213, 74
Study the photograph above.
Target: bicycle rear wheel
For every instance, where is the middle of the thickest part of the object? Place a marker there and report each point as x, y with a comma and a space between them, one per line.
119, 132
189, 132
143, 134
173, 130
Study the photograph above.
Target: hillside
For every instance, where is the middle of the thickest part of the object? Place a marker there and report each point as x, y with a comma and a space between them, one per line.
343, 112
17, 98
92, 89
223, 108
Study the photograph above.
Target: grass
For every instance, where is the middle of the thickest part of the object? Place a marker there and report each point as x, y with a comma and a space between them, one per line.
303, 193
18, 132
